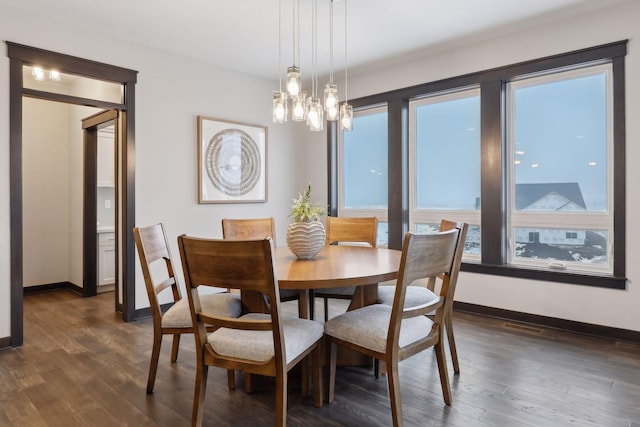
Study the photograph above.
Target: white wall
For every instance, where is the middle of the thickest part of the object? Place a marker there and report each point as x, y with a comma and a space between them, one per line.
171, 92
45, 160
614, 308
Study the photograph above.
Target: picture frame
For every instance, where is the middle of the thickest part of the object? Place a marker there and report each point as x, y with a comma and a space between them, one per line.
232, 161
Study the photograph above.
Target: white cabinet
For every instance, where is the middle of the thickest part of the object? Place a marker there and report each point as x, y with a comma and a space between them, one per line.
106, 159
106, 258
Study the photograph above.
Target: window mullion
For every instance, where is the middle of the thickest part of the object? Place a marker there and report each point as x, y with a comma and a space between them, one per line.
492, 173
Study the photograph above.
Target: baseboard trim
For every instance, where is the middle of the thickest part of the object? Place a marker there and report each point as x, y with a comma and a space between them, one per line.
48, 287
5, 342
142, 313
598, 331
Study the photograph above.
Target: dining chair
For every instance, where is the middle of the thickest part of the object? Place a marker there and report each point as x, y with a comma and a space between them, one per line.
159, 275
394, 333
420, 295
345, 230
255, 228
261, 343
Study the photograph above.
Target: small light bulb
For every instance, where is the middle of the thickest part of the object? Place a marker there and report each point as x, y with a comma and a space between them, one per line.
37, 73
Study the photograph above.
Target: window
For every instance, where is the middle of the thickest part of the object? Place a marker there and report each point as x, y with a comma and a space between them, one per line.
531, 155
363, 169
444, 165
560, 141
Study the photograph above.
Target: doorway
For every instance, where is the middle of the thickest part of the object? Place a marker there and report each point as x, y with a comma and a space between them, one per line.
24, 56
101, 207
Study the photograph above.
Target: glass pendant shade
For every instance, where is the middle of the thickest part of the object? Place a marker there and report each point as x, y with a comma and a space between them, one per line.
331, 101
299, 107
346, 117
314, 115
293, 81
279, 107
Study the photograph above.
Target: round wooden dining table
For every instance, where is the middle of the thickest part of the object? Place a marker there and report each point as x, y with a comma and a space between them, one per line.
335, 266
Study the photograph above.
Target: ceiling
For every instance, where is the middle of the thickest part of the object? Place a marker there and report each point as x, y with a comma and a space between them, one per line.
243, 34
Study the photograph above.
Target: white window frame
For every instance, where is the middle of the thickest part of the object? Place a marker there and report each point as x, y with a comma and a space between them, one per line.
433, 216
565, 220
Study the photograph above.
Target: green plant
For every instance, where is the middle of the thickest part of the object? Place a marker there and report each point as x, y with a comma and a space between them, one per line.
303, 210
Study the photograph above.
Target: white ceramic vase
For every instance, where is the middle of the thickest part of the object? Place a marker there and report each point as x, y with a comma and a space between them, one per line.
305, 239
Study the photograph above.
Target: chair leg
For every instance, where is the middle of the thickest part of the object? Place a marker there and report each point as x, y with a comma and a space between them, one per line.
174, 347
281, 399
442, 370
448, 324
248, 388
312, 304
304, 368
326, 309
198, 398
376, 368
231, 379
393, 379
316, 375
153, 364
333, 356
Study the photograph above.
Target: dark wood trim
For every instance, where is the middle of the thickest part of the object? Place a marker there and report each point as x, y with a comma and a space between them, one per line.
597, 53
69, 99
90, 200
398, 172
5, 342
90, 126
128, 191
590, 329
24, 55
332, 168
143, 313
49, 287
547, 275
492, 172
619, 171
71, 64
15, 166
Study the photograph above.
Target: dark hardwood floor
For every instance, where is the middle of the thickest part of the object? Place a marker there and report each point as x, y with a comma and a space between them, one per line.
81, 366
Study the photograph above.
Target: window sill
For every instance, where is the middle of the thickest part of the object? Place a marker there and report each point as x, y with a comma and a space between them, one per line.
585, 279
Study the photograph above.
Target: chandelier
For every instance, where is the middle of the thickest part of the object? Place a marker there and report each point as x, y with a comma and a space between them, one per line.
294, 99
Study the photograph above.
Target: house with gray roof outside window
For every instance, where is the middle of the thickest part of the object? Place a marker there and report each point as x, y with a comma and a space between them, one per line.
553, 197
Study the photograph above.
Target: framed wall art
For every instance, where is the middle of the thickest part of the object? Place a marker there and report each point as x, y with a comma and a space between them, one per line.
232, 162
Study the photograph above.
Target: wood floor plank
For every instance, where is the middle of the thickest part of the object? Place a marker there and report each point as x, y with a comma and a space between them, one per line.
82, 366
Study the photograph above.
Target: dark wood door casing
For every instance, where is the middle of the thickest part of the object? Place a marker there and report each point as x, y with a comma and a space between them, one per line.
20, 55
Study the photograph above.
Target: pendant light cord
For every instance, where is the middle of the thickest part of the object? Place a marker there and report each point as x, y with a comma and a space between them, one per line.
345, 51
280, 43
331, 43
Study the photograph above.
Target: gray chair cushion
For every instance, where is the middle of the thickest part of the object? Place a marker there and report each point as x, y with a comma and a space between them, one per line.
299, 335
222, 304
416, 295
368, 327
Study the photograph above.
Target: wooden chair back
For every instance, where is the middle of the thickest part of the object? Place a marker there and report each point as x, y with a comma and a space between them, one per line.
255, 228
449, 290
423, 256
352, 230
446, 225
153, 249
249, 229
245, 265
